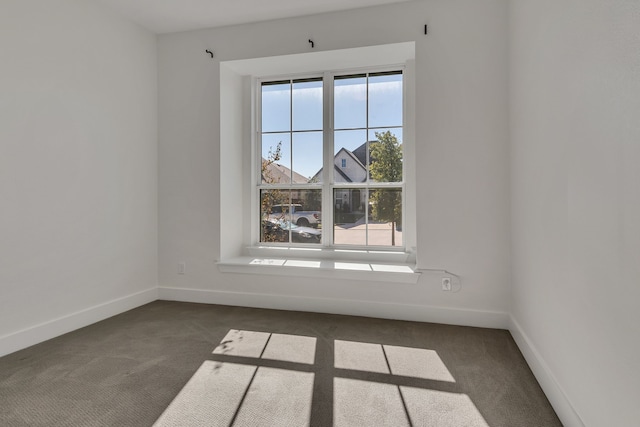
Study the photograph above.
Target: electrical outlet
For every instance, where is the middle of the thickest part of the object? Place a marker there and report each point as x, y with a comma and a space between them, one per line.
182, 267
446, 284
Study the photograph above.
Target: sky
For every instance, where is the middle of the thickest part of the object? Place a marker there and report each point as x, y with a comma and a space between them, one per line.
300, 128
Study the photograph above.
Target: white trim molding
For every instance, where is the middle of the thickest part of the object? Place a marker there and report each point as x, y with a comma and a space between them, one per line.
383, 310
550, 385
45, 331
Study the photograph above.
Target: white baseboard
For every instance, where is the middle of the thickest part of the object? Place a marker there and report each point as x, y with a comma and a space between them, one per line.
550, 385
420, 313
53, 328
412, 312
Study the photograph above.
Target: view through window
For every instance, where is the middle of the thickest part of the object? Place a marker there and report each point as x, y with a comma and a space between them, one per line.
363, 180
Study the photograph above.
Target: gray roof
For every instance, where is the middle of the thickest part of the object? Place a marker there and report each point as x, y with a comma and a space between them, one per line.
280, 173
361, 153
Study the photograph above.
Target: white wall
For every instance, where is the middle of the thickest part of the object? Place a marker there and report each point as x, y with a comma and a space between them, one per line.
575, 130
461, 147
78, 167
78, 177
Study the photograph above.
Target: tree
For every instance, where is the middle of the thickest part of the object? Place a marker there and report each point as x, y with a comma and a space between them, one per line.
274, 156
269, 198
386, 166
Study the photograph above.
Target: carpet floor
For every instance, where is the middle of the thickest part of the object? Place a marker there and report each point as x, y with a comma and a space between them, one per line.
181, 364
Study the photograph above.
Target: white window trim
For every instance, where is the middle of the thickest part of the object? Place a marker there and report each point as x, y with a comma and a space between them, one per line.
328, 186
321, 268
385, 264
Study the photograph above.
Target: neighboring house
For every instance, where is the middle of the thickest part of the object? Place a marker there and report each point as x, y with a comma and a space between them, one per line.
276, 173
349, 166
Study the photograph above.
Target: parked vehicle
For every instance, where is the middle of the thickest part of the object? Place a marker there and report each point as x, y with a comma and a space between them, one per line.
298, 215
278, 231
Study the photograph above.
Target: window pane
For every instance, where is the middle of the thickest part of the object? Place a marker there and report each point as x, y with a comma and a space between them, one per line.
385, 153
307, 105
349, 139
291, 216
385, 223
350, 102
274, 211
383, 227
349, 210
306, 216
385, 100
307, 157
276, 107
350, 146
276, 158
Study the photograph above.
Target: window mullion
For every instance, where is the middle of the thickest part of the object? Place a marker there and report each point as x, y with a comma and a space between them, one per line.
327, 162
290, 158
256, 163
291, 131
368, 150
258, 133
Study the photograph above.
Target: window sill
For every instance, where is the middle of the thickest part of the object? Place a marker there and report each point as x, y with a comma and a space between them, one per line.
332, 254
323, 267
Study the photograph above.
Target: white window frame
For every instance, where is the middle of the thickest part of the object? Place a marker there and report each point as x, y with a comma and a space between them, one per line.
239, 253
328, 186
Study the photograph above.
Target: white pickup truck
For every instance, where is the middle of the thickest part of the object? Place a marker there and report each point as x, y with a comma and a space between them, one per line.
298, 216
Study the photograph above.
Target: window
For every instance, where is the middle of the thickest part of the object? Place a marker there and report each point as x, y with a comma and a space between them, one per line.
331, 160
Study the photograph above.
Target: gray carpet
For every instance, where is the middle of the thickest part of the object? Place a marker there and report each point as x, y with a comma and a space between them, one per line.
179, 364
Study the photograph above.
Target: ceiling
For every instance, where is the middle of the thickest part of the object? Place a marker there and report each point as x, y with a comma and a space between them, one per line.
167, 16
